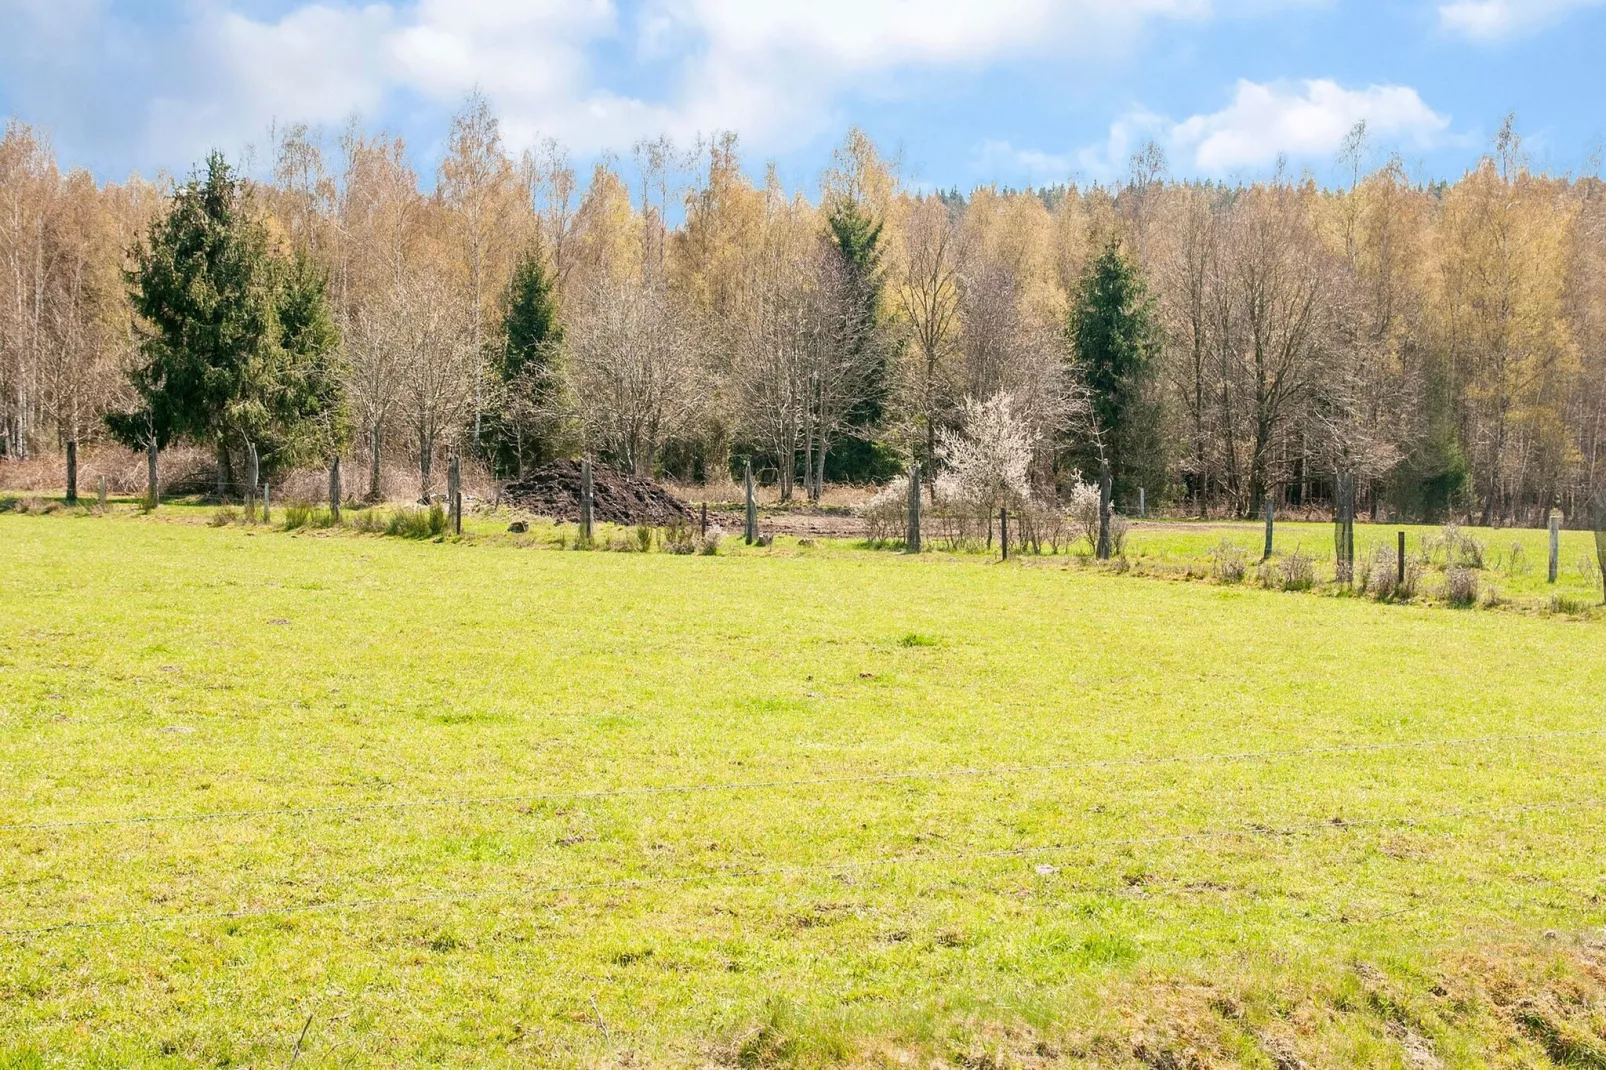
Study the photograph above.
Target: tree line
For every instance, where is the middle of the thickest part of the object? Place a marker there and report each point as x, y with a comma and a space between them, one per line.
1213, 344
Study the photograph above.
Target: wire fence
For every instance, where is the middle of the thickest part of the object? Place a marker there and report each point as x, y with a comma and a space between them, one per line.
736, 787
755, 873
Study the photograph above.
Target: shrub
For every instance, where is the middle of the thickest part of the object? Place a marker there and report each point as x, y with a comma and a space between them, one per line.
1460, 587
1084, 511
224, 517
643, 538
886, 515
1517, 563
296, 515
1297, 572
1120, 527
1228, 562
1379, 576
678, 539
710, 544
1587, 571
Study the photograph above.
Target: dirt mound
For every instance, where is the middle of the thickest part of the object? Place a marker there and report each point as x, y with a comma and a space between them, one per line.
554, 491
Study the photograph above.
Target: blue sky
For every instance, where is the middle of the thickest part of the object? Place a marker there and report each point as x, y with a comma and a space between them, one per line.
1015, 92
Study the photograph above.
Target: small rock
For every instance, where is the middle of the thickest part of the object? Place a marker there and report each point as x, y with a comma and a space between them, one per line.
280, 620
805, 542
1046, 870
519, 527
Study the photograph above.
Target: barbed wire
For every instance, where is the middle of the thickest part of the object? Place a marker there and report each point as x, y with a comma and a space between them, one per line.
978, 772
764, 872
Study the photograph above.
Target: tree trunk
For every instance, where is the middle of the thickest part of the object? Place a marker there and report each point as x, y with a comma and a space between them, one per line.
374, 443
334, 490
425, 448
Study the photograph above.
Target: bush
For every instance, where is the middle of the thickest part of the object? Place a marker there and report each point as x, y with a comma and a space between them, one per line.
1084, 512
886, 515
1379, 576
678, 539
1297, 572
1460, 587
643, 538
1228, 562
710, 544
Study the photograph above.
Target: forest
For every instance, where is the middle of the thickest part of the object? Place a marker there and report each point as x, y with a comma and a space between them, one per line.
1443, 343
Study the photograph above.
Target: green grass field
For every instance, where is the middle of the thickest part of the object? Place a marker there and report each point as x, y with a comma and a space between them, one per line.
330, 799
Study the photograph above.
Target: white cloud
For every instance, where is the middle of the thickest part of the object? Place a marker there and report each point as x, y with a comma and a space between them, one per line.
777, 71
772, 70
1493, 20
1307, 120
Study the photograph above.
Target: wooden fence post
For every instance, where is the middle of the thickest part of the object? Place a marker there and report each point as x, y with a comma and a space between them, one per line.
454, 492
72, 471
911, 542
1271, 521
100, 491
1399, 562
153, 487
1003, 530
1555, 544
334, 490
1143, 503
704, 521
585, 502
252, 480
750, 525
267, 513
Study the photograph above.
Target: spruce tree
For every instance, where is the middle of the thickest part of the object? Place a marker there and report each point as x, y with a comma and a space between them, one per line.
523, 427
1113, 342
856, 236
237, 343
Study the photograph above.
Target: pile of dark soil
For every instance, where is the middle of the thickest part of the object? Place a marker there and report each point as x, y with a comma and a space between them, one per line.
553, 490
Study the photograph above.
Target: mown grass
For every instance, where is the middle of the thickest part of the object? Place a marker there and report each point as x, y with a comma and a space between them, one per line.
866, 808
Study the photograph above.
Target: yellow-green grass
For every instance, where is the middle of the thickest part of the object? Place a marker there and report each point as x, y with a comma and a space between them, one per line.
484, 802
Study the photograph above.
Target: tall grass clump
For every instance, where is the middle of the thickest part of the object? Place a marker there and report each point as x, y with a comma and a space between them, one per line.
225, 516
417, 523
1228, 562
1296, 572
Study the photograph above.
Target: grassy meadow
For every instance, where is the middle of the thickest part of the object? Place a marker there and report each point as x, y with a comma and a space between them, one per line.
324, 798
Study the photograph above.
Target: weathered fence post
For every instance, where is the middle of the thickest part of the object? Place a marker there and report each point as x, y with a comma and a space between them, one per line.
1344, 529
704, 521
1003, 530
334, 490
454, 492
267, 513
72, 471
100, 491
1399, 562
153, 488
1143, 503
750, 523
252, 480
585, 502
911, 543
1555, 544
1271, 522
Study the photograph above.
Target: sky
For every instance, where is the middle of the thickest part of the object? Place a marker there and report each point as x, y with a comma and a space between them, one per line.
960, 92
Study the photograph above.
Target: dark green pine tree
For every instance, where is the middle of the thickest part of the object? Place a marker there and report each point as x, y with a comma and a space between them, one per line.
523, 428
237, 344
1113, 342
856, 235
